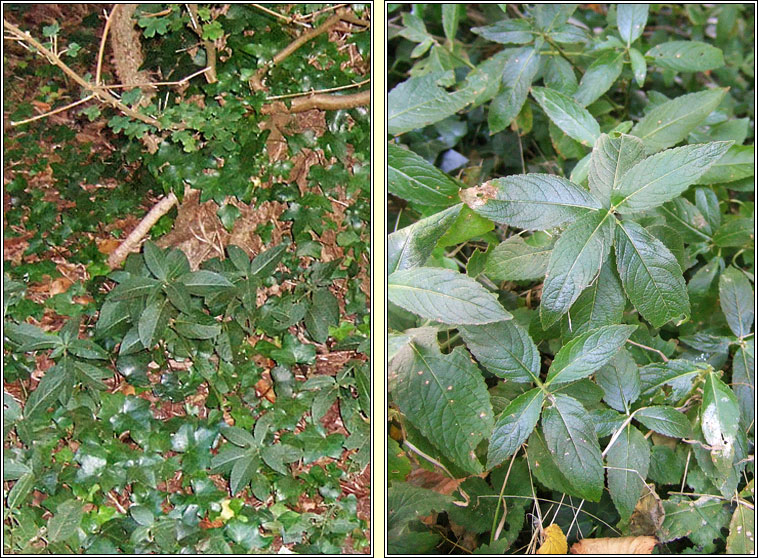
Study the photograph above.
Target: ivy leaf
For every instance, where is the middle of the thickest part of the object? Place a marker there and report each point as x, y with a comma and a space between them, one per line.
571, 438
514, 426
445, 296
599, 77
516, 260
412, 178
530, 201
686, 56
665, 420
650, 275
411, 246
323, 313
65, 522
736, 299
568, 115
586, 353
445, 397
620, 381
628, 462
519, 72
664, 176
611, 158
670, 122
631, 20
574, 263
505, 349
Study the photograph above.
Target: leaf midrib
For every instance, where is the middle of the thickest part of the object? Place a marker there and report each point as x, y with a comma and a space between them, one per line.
580, 454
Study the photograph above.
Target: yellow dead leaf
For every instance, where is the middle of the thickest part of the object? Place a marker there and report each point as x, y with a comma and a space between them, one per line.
226, 511
555, 541
619, 545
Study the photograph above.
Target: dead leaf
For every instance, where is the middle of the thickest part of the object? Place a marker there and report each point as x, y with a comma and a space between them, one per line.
478, 195
108, 245
619, 545
648, 514
555, 541
59, 285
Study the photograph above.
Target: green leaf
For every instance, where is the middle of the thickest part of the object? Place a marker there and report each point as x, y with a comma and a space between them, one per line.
467, 225
686, 56
736, 299
411, 246
65, 522
599, 77
719, 417
155, 260
530, 201
505, 349
620, 381
278, 455
743, 382
586, 353
665, 175
445, 296
631, 20
665, 420
204, 283
741, 539
451, 14
701, 520
243, 471
736, 164
197, 326
238, 436
628, 462
639, 66
568, 115
407, 503
153, 322
29, 337
413, 179
575, 263
514, 426
676, 373
265, 263
571, 438
650, 274
670, 122
506, 31
611, 158
21, 490
134, 287
600, 304
324, 312
14, 470
543, 464
736, 232
515, 260
225, 459
423, 100
446, 398
517, 78
46, 391
550, 16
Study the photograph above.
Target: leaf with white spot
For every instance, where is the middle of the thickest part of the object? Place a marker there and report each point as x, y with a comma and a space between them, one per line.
628, 461
514, 426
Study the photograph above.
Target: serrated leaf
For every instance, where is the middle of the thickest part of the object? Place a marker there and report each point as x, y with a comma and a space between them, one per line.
611, 158
196, 326
204, 283
46, 391
572, 440
586, 353
736, 164
515, 260
278, 455
21, 489
29, 337
568, 115
620, 381
650, 274
559, 75
519, 72
550, 16
677, 373
670, 122
686, 219
238, 436
411, 246
505, 349
543, 465
514, 426
506, 31
65, 522
265, 263
155, 260
665, 175
134, 287
575, 263
686, 56
665, 420
467, 225
600, 304
451, 14
421, 101
530, 201
701, 520
719, 416
13, 470
631, 20
741, 539
735, 232
153, 322
743, 382
225, 459
412, 178
639, 66
736, 299
446, 398
599, 77
628, 461
445, 296
243, 471
406, 503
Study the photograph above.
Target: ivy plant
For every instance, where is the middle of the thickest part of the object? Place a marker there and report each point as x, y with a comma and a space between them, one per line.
569, 276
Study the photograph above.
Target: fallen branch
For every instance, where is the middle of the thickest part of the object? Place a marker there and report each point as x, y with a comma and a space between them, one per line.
330, 102
134, 239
